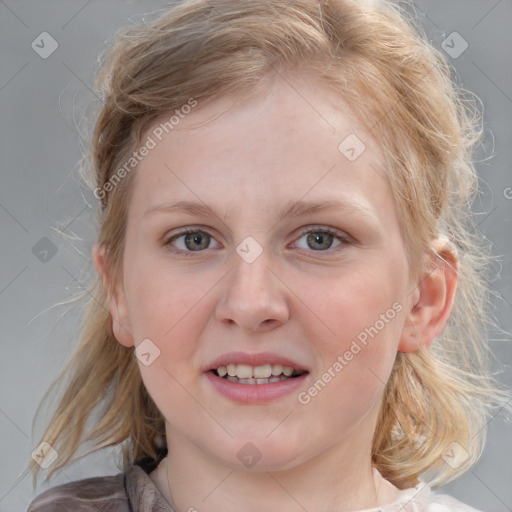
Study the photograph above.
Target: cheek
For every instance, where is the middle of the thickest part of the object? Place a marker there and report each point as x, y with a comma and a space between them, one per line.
173, 321
355, 336
161, 300
349, 305
170, 308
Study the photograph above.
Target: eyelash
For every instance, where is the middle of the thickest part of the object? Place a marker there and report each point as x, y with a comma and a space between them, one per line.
342, 237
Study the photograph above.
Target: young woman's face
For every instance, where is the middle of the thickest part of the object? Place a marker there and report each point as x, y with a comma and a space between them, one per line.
292, 257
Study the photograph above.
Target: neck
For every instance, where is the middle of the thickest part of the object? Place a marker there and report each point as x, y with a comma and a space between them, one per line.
340, 479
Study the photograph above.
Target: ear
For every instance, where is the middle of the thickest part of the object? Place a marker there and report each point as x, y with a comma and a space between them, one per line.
433, 298
121, 327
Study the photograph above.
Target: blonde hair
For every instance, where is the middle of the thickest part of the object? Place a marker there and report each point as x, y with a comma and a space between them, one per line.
371, 54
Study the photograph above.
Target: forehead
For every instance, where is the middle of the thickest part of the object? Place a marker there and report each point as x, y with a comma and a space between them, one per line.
297, 140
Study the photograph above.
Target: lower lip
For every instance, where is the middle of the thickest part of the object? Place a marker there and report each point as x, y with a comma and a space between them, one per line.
254, 393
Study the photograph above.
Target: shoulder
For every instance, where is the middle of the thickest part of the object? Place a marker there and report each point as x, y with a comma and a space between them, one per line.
446, 503
429, 501
421, 498
96, 494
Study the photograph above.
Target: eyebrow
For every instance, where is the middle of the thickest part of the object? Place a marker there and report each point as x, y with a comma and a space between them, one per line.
291, 209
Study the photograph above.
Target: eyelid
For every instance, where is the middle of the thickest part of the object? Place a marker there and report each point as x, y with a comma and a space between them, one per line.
166, 243
176, 232
342, 236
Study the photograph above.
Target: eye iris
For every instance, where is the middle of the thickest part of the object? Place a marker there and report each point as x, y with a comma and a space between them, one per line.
323, 239
201, 239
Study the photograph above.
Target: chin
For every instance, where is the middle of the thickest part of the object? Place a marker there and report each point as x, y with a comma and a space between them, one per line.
257, 454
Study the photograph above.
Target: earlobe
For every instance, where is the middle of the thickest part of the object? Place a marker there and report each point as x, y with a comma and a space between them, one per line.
433, 298
121, 327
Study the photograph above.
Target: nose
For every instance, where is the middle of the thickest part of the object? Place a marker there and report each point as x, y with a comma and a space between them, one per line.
253, 297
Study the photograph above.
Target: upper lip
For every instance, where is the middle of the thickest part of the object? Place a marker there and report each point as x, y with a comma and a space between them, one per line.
255, 359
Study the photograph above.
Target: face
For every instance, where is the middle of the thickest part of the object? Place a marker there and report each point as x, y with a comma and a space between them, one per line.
255, 243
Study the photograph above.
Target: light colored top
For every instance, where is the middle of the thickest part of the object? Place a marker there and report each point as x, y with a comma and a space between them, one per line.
134, 491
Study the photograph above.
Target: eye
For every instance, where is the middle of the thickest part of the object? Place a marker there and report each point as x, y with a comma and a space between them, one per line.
192, 240
321, 239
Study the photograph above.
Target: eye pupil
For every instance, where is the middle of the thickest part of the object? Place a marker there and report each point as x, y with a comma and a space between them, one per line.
201, 239
196, 241
324, 240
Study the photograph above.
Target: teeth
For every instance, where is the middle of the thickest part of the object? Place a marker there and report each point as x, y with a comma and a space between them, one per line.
262, 372
266, 372
277, 369
256, 381
244, 371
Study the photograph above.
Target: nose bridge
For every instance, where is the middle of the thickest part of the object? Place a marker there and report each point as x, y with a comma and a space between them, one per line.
252, 278
252, 295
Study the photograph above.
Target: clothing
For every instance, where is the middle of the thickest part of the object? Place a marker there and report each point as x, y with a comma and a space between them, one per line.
134, 491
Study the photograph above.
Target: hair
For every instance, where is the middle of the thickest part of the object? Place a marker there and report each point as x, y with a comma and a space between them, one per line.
374, 56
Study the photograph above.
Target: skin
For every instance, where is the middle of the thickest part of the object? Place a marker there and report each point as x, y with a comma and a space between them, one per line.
247, 161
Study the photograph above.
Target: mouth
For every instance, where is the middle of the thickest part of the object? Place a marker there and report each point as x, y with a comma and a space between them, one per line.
255, 378
256, 375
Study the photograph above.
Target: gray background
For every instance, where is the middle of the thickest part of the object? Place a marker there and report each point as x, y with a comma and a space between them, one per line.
41, 194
